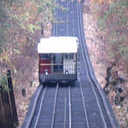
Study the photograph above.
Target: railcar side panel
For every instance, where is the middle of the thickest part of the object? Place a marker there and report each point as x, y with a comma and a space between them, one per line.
44, 64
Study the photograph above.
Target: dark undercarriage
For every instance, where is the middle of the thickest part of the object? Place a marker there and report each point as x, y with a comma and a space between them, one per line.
54, 78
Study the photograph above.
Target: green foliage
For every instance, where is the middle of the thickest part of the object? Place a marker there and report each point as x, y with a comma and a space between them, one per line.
115, 14
2, 38
4, 82
32, 27
3, 28
25, 15
101, 23
47, 7
20, 24
124, 51
113, 21
31, 13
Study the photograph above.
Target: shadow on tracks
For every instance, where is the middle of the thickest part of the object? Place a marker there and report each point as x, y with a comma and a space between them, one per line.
66, 84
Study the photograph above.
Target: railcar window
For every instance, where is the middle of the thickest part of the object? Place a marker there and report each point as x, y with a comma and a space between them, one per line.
45, 56
58, 61
69, 56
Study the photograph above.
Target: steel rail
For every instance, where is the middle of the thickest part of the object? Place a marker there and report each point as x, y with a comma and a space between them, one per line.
101, 113
54, 30
73, 26
65, 103
107, 108
54, 107
40, 108
100, 109
67, 30
93, 80
55, 100
65, 99
70, 106
34, 107
82, 95
84, 107
69, 90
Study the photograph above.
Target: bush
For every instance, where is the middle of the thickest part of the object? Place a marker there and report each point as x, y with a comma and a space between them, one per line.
3, 82
113, 22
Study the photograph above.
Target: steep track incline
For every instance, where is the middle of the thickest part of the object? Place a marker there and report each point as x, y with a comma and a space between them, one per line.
80, 105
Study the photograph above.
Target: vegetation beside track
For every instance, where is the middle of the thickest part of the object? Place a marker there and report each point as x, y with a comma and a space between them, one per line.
22, 23
106, 24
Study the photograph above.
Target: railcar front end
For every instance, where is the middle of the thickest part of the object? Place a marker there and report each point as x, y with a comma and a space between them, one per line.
58, 59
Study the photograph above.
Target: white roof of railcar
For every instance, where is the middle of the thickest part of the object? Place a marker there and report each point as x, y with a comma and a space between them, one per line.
58, 45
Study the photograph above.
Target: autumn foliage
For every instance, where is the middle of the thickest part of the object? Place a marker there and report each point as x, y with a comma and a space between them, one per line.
20, 29
113, 22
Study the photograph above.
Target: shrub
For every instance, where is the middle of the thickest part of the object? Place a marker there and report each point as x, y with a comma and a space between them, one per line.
113, 22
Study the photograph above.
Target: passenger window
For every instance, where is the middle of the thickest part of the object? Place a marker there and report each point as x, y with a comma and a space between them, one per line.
45, 56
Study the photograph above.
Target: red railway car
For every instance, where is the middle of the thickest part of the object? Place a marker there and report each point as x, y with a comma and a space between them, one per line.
58, 59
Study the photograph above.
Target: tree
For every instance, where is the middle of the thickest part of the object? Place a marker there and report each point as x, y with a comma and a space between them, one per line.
113, 22
20, 30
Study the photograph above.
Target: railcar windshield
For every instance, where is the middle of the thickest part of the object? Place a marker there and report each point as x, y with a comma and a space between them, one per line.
58, 63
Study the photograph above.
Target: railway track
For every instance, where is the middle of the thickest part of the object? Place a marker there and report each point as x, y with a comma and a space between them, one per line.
81, 105
56, 107
104, 107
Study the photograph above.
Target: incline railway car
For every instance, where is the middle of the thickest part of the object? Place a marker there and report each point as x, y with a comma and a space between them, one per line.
58, 59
